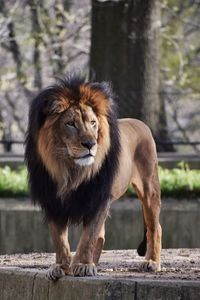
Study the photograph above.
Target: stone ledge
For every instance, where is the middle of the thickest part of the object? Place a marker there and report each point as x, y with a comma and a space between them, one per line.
24, 277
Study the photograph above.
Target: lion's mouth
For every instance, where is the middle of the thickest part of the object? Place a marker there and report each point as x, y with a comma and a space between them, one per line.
85, 160
87, 155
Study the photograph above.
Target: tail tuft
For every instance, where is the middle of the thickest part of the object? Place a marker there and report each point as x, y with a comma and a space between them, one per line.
142, 248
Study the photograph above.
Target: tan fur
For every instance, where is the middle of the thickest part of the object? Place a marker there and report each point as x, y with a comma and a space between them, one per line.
46, 147
96, 99
137, 166
56, 153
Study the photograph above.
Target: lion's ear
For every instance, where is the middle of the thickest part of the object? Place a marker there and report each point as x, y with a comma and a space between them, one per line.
104, 87
54, 101
59, 105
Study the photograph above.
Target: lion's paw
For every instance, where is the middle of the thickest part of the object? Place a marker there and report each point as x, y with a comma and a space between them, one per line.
55, 272
81, 270
150, 266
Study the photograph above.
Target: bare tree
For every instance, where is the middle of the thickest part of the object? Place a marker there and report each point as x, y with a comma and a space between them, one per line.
38, 41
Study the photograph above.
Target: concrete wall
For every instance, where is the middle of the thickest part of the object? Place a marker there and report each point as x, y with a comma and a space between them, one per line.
33, 285
22, 228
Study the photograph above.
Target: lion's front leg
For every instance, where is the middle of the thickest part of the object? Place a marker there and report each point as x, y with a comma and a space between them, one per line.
63, 256
83, 261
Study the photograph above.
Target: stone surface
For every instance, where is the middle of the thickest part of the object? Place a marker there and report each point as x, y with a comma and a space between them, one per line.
176, 264
15, 284
168, 290
119, 277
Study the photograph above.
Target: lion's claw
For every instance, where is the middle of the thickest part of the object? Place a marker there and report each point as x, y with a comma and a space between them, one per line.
150, 266
55, 272
81, 270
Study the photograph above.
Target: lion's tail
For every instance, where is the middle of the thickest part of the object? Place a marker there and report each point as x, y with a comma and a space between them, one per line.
142, 248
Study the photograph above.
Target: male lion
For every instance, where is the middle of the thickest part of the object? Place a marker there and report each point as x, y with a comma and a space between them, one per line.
80, 158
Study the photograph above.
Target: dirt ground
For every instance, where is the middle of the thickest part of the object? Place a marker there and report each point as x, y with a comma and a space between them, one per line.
183, 264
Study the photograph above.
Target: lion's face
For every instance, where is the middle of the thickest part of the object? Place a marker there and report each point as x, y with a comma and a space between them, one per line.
74, 139
78, 131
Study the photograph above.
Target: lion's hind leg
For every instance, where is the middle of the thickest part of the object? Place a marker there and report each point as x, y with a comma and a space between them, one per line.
149, 193
99, 245
153, 235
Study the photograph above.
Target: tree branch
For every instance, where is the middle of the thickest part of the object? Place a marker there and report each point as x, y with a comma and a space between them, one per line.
174, 116
14, 114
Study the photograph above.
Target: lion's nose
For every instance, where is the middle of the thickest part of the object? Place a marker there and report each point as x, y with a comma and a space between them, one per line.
88, 144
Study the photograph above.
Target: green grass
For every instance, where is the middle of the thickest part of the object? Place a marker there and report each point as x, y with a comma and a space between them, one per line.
179, 182
13, 182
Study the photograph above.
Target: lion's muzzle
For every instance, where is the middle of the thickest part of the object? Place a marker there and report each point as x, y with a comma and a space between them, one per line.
88, 144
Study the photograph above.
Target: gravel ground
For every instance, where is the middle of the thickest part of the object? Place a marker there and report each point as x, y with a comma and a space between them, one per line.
183, 264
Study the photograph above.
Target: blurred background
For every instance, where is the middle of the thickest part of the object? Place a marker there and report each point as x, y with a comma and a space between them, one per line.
149, 51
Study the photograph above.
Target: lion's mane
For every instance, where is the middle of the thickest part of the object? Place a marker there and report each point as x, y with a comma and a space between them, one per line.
84, 202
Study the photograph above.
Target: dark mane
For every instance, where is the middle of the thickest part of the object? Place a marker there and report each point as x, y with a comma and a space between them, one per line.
71, 81
83, 204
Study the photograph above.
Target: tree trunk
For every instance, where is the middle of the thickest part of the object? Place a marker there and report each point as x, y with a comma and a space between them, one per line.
143, 61
108, 46
125, 50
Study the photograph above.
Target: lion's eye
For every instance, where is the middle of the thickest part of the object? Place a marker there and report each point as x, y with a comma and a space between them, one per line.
71, 124
93, 122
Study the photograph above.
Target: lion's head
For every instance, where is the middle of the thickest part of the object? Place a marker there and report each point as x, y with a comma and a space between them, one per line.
74, 138
78, 130
72, 149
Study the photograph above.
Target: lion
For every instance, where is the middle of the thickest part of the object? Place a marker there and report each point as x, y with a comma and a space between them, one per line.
80, 159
